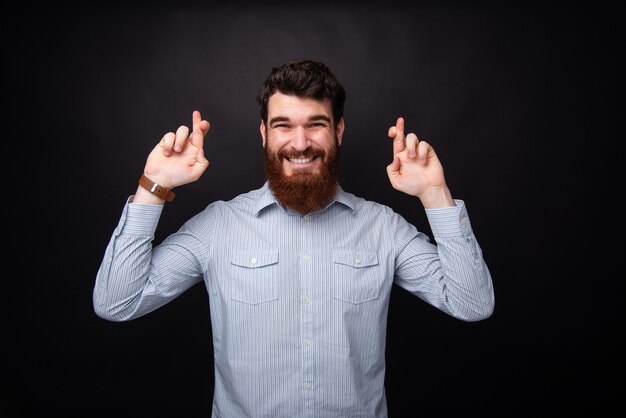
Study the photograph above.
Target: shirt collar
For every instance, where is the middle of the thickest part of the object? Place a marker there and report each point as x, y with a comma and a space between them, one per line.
266, 198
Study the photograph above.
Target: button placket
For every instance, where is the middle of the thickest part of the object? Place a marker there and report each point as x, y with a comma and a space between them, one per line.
307, 308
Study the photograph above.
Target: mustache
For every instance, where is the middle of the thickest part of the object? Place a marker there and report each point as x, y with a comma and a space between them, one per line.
307, 153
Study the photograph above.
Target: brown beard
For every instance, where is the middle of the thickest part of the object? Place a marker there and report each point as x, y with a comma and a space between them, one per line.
304, 191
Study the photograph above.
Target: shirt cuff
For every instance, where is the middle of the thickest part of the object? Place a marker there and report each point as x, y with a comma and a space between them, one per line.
139, 219
450, 222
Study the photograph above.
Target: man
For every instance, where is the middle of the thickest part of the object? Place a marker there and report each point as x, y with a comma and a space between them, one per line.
298, 272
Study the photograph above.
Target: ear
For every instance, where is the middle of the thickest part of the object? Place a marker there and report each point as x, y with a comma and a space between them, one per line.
263, 131
341, 126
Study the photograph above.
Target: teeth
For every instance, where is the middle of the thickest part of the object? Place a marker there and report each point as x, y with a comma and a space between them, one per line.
300, 160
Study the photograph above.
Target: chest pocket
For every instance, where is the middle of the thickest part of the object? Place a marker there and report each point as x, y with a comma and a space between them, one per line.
254, 276
357, 276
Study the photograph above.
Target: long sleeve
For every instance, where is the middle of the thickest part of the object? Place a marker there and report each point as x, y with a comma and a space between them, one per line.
136, 278
451, 275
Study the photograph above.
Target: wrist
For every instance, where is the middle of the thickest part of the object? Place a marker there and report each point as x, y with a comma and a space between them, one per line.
439, 197
157, 190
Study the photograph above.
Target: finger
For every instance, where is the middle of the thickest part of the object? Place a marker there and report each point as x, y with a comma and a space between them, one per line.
167, 142
422, 151
200, 129
392, 132
398, 139
411, 145
196, 118
182, 133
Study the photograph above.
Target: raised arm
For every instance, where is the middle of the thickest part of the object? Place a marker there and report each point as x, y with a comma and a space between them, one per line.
134, 278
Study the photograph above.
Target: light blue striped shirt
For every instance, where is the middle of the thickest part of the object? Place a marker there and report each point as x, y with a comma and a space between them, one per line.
298, 304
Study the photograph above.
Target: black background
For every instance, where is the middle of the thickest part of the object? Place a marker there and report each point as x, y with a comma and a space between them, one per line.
518, 99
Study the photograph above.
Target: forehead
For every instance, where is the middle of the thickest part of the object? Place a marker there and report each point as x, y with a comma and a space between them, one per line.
281, 104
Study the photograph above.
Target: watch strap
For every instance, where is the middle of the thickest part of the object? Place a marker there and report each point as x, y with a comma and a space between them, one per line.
156, 189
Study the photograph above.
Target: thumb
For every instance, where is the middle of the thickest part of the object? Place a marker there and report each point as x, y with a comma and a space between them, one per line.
201, 158
393, 169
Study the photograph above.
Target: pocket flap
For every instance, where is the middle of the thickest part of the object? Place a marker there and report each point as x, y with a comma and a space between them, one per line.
356, 259
254, 258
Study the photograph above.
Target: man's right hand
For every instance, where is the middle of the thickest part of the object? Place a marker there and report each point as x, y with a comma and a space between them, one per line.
179, 158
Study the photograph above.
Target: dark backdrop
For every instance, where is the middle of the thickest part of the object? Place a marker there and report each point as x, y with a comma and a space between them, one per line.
518, 100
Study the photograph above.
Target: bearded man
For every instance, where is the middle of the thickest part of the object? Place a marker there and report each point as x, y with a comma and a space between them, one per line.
299, 271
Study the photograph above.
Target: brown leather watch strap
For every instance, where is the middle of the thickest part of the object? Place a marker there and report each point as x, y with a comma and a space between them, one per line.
157, 190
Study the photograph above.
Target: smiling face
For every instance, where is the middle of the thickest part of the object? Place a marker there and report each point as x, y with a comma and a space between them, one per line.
299, 131
301, 151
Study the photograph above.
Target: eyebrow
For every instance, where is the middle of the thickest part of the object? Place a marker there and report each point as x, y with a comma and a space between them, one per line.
313, 118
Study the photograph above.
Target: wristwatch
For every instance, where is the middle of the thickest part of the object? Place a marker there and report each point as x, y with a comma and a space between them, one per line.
156, 189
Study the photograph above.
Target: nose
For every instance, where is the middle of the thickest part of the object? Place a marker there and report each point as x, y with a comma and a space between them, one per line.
299, 142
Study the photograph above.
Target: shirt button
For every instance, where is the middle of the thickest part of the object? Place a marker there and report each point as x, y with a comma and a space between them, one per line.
253, 261
306, 217
306, 257
464, 220
477, 261
306, 300
357, 261
308, 386
307, 343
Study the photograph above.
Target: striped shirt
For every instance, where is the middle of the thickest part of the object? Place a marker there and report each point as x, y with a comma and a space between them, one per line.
298, 303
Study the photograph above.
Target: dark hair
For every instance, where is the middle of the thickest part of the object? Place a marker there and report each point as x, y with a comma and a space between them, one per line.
304, 78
